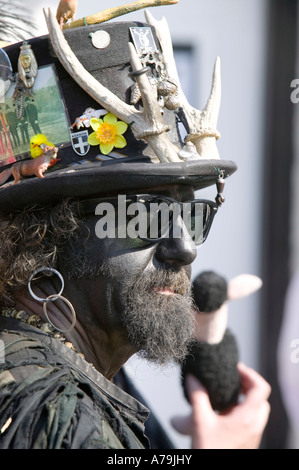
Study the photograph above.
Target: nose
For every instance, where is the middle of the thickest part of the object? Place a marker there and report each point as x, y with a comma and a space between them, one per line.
176, 250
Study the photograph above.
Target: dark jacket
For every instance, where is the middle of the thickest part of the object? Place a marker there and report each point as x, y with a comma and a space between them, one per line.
51, 398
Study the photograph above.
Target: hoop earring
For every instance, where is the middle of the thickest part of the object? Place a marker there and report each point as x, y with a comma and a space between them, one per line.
52, 298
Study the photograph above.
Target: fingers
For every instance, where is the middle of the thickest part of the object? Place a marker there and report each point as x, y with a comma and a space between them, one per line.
256, 392
182, 424
241, 427
199, 398
255, 387
201, 407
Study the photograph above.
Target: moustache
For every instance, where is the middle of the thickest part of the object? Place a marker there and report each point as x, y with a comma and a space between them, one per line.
165, 281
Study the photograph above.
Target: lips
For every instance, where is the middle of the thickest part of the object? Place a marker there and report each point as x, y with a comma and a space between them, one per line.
170, 291
168, 282
165, 291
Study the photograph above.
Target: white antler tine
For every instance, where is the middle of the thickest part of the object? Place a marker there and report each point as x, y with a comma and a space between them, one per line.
74, 67
203, 128
149, 98
202, 125
155, 130
163, 33
211, 110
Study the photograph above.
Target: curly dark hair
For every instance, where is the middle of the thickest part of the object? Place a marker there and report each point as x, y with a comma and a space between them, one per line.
32, 239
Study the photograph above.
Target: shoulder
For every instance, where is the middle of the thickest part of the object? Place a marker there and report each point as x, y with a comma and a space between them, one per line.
44, 403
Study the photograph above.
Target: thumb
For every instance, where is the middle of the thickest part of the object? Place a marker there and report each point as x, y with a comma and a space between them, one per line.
198, 396
199, 400
182, 424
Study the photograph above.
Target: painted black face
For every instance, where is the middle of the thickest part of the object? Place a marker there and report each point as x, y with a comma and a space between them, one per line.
144, 287
128, 257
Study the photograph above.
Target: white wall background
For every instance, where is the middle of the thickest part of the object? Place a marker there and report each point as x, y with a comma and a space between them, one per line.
236, 31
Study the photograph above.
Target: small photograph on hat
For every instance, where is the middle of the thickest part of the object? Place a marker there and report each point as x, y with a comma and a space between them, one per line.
42, 112
143, 39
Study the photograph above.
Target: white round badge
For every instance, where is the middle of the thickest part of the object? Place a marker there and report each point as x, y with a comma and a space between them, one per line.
100, 39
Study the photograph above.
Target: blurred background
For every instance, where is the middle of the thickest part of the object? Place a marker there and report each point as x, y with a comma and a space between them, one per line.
256, 230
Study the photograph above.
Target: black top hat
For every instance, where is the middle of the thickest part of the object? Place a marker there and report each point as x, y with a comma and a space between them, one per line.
116, 112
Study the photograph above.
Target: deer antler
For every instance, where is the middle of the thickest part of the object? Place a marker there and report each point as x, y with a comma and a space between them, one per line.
147, 124
114, 12
202, 125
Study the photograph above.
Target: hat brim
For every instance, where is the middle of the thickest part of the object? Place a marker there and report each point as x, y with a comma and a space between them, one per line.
88, 180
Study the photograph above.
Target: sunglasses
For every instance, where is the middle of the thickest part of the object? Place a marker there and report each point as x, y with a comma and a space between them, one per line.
153, 217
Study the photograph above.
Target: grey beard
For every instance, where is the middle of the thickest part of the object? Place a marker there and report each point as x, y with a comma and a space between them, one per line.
159, 326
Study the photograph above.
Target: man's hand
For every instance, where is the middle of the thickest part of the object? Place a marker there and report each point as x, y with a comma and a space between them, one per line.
241, 427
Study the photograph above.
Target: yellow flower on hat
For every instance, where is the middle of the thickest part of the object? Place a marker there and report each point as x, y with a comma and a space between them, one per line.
35, 144
108, 133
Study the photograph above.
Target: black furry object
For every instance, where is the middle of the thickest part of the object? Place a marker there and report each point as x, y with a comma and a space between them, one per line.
215, 366
209, 291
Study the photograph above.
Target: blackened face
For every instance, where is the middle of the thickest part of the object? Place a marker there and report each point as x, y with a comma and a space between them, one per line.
142, 288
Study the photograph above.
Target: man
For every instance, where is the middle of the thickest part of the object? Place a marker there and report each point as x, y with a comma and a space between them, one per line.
96, 256
13, 125
31, 114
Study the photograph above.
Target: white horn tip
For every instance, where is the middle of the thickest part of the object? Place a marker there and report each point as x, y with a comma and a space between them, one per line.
217, 64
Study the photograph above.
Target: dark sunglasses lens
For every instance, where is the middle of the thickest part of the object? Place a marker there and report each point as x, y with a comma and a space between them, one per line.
155, 219
159, 219
198, 220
